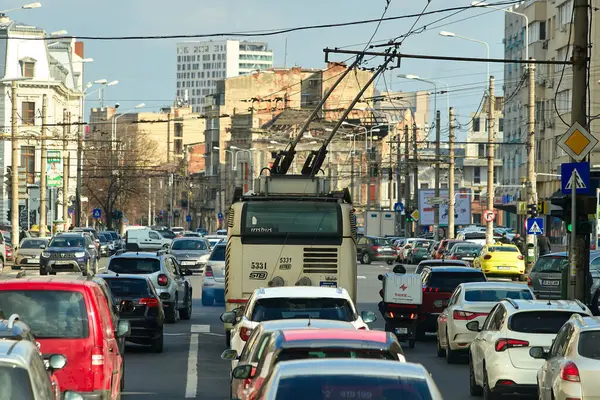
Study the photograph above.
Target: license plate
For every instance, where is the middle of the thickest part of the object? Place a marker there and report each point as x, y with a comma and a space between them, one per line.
62, 263
401, 331
551, 283
188, 263
387, 249
504, 267
328, 284
468, 258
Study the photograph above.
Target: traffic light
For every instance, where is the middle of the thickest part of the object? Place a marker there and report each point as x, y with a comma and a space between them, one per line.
569, 227
8, 183
409, 217
532, 210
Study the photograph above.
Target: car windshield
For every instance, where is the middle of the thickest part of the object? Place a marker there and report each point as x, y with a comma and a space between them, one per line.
113, 235
342, 387
303, 354
72, 241
167, 234
49, 313
123, 287
125, 265
588, 345
462, 249
293, 308
33, 243
505, 249
103, 238
218, 254
550, 264
448, 281
15, 383
495, 295
196, 245
548, 322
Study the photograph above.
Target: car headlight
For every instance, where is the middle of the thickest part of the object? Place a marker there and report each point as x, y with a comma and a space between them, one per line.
80, 254
45, 254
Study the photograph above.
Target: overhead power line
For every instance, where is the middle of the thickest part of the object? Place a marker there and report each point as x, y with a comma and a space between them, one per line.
272, 32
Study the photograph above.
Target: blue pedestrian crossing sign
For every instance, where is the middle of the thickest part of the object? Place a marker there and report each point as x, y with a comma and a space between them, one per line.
399, 207
535, 226
577, 174
220, 216
97, 213
188, 218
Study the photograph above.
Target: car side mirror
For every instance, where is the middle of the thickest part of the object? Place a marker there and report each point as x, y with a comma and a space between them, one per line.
42, 246
230, 355
473, 326
56, 362
538, 352
229, 317
380, 277
242, 371
368, 316
123, 329
126, 306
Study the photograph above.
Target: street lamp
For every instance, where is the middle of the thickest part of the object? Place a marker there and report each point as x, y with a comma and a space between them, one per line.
487, 47
484, 4
433, 82
115, 120
104, 83
28, 6
373, 129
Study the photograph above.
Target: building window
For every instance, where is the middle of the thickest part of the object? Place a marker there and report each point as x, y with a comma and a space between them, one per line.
477, 175
565, 12
476, 125
28, 113
27, 69
476, 195
500, 124
481, 150
477, 219
28, 162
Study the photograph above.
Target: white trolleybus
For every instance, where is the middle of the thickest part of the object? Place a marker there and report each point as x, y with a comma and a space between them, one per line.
293, 231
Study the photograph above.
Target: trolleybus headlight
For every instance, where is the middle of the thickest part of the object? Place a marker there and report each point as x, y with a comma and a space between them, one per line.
304, 281
277, 281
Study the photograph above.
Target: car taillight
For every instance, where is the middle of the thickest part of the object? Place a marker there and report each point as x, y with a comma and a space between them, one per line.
248, 381
97, 357
569, 372
529, 283
505, 344
208, 272
431, 290
520, 257
362, 328
487, 257
162, 280
245, 333
465, 315
376, 248
150, 302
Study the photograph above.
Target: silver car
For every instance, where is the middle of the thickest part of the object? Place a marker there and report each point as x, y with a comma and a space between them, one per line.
28, 253
167, 276
189, 251
213, 277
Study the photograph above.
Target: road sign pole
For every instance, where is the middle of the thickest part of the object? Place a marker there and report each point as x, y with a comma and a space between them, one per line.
572, 244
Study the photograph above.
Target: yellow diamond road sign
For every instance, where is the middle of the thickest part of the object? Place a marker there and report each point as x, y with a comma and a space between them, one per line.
577, 142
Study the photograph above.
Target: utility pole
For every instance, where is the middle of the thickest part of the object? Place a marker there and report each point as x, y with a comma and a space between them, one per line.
406, 180
451, 199
14, 201
391, 176
489, 232
66, 162
531, 180
436, 207
352, 194
579, 252
79, 183
150, 222
415, 173
44, 156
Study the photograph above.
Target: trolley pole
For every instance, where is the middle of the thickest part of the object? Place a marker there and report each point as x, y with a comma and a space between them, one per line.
451, 200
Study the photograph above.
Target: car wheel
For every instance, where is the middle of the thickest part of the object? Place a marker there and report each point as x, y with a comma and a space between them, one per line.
207, 301
366, 258
522, 278
186, 312
451, 355
172, 312
474, 388
440, 351
157, 344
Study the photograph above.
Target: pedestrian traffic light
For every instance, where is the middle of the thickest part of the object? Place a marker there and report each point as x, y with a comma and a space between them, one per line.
532, 210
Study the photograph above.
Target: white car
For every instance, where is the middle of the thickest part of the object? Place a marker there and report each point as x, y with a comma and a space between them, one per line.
499, 360
571, 368
471, 302
287, 302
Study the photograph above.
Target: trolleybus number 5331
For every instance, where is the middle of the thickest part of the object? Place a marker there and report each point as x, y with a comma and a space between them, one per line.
258, 265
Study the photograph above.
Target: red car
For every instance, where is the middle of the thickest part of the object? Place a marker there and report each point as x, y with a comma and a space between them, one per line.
70, 316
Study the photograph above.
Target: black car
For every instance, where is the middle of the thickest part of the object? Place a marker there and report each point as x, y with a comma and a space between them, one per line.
146, 315
69, 252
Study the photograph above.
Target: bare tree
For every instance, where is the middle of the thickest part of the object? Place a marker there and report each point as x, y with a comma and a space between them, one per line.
118, 179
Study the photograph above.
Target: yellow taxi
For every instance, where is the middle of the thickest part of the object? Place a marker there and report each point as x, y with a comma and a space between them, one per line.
501, 260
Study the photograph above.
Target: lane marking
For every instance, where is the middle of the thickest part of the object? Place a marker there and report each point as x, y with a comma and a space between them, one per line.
191, 386
200, 328
175, 334
214, 334
361, 277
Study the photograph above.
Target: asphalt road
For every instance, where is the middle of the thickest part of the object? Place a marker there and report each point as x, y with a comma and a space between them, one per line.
191, 368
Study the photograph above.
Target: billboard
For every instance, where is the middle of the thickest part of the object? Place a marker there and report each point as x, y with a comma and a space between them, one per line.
54, 168
462, 208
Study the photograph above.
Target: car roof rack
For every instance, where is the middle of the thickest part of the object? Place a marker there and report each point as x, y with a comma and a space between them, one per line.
581, 305
12, 319
512, 303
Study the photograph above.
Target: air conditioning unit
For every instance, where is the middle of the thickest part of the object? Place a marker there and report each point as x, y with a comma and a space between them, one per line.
550, 83
545, 44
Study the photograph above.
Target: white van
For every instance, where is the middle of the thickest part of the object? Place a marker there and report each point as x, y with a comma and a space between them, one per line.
145, 240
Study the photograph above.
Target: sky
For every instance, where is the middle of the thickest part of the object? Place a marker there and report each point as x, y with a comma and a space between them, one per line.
146, 69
